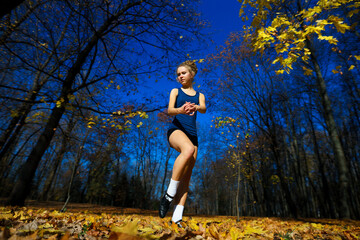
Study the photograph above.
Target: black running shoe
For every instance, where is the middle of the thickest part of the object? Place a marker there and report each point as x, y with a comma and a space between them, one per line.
165, 205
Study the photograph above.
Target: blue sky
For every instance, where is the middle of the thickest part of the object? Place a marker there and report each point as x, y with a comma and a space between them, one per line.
223, 17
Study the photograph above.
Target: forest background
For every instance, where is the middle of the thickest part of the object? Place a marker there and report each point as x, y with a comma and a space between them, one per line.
84, 87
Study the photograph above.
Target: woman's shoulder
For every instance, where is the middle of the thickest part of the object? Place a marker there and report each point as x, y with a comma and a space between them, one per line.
174, 91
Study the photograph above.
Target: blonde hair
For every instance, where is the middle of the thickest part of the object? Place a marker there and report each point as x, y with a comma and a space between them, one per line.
189, 64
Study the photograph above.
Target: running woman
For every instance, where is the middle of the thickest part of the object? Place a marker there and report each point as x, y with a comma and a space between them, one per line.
184, 104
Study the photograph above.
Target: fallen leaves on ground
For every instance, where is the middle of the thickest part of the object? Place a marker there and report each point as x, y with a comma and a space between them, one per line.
42, 223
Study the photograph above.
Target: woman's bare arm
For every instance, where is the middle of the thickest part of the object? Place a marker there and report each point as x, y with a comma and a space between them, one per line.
202, 106
172, 110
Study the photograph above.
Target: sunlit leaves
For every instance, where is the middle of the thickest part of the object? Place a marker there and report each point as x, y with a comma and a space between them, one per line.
307, 71
120, 120
289, 34
26, 223
330, 39
223, 121
337, 70
59, 102
339, 24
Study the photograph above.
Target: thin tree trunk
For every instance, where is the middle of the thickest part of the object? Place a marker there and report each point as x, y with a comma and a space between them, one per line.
334, 136
76, 165
325, 194
284, 186
238, 191
58, 160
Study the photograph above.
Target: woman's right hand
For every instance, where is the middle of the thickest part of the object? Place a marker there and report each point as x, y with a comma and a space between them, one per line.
188, 108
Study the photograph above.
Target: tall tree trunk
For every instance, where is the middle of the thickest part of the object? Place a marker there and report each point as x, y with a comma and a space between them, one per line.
27, 172
334, 136
58, 159
23, 185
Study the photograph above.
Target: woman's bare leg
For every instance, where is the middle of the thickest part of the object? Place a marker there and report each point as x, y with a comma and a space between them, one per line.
183, 189
181, 173
181, 143
182, 169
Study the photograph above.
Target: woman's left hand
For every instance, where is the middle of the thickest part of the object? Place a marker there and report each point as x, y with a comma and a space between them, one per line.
190, 108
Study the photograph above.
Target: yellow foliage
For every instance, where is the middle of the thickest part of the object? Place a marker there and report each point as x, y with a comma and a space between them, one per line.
307, 71
353, 12
288, 35
339, 24
59, 102
281, 71
330, 39
351, 67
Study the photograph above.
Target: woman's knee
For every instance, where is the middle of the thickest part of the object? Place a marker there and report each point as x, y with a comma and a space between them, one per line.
188, 151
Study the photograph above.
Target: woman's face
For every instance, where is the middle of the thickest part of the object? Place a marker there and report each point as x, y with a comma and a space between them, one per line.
184, 76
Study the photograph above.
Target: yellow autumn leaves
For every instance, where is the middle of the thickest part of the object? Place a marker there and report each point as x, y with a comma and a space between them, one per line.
27, 223
128, 116
288, 34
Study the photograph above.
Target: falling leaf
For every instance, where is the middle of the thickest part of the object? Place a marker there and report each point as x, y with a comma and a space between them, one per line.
351, 67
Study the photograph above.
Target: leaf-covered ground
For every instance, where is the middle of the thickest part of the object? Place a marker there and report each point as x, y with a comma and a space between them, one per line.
95, 222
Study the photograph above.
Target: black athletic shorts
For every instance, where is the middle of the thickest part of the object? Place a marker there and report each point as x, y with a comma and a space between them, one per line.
193, 139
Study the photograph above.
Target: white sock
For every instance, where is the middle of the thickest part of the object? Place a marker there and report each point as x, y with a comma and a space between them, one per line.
178, 213
173, 187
